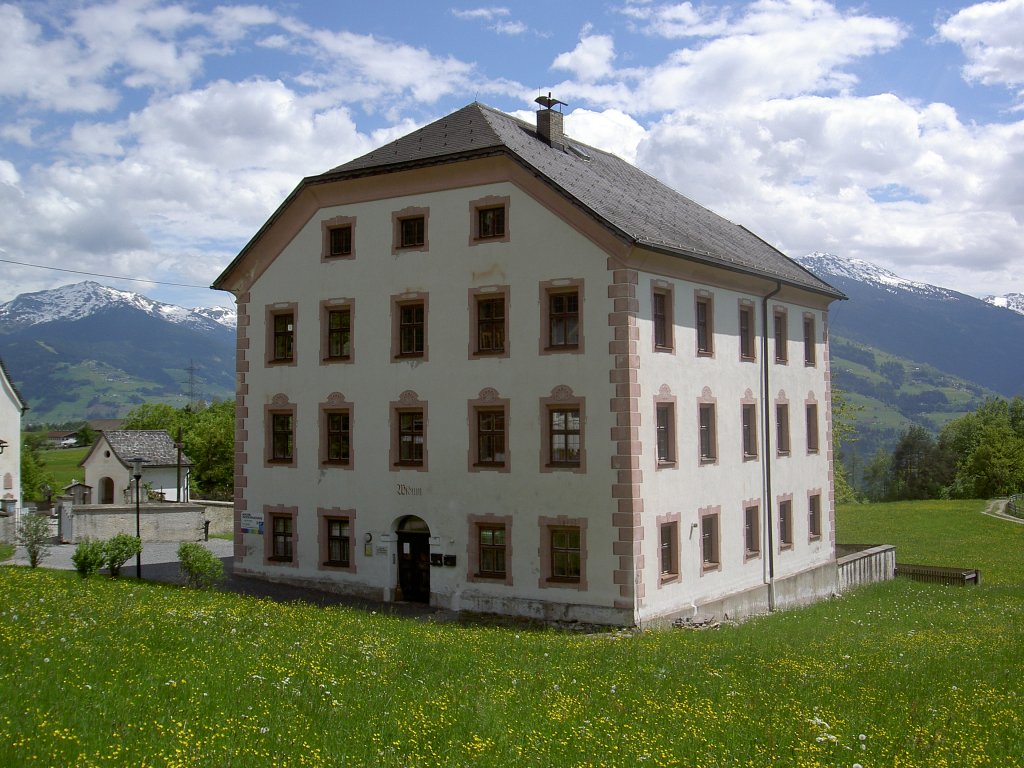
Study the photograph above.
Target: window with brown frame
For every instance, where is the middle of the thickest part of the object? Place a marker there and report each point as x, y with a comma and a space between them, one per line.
411, 437
338, 436
339, 542
704, 324
661, 315
814, 516
412, 327
412, 232
340, 241
665, 418
709, 543
668, 550
809, 341
747, 335
283, 348
282, 532
707, 438
339, 334
563, 319
491, 436
785, 524
565, 437
490, 325
492, 551
812, 427
781, 336
282, 437
782, 428
752, 531
748, 415
565, 554
490, 222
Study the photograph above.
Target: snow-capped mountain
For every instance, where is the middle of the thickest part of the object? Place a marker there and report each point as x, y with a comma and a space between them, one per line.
86, 351
81, 300
823, 264
1011, 301
956, 333
226, 316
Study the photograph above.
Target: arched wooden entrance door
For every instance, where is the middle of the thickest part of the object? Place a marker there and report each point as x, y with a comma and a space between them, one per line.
414, 559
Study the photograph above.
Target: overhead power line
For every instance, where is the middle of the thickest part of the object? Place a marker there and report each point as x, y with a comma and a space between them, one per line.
100, 274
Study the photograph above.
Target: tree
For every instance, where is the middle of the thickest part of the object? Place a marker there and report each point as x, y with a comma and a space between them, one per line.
843, 432
208, 439
894, 372
33, 470
918, 468
988, 448
210, 443
34, 536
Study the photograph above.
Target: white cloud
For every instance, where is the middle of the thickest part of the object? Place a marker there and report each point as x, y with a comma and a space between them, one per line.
485, 14
992, 38
591, 59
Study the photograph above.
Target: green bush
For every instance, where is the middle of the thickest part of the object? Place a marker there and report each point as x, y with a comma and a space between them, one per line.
119, 550
200, 567
34, 536
90, 555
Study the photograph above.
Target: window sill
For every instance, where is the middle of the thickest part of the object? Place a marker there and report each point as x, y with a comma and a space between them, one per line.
562, 465
281, 462
409, 464
751, 556
814, 537
782, 361
279, 559
784, 547
562, 348
491, 576
489, 353
337, 359
782, 454
668, 578
335, 564
410, 356
563, 580
489, 465
750, 457
748, 359
707, 461
708, 567
666, 464
335, 463
666, 350
704, 353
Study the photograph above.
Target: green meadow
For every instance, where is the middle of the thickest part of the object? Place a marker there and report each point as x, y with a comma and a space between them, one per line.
117, 672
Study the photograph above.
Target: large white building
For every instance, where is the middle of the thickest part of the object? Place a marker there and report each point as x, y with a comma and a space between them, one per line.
490, 368
11, 409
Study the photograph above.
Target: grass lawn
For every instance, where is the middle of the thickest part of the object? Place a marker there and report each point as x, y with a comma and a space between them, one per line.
62, 463
116, 672
953, 533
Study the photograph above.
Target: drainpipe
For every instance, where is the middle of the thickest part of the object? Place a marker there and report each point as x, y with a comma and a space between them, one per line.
766, 465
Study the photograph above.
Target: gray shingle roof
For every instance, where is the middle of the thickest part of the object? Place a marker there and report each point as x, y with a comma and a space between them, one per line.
635, 205
155, 446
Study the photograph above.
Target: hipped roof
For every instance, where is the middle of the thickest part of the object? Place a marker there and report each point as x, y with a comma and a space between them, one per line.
635, 206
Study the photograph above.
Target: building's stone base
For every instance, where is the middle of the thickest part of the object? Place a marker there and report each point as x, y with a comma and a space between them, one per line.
804, 588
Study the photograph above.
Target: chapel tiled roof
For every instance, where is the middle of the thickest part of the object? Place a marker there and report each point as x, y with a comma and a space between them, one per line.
635, 205
155, 446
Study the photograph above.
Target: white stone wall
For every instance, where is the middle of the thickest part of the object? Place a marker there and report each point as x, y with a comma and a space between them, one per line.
10, 432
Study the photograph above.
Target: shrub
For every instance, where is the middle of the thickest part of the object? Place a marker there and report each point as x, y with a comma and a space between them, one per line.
90, 555
200, 567
119, 550
34, 535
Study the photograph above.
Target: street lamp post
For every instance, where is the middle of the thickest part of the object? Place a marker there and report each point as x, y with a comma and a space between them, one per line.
137, 474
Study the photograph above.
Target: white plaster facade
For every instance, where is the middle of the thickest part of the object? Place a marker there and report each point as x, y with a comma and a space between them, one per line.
638, 520
11, 409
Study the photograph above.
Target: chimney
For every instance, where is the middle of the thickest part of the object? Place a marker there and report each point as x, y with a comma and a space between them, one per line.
549, 121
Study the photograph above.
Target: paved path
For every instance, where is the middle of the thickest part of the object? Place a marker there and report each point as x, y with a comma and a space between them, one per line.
997, 508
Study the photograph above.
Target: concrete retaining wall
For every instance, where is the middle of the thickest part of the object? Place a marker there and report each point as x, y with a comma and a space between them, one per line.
158, 522
865, 565
221, 515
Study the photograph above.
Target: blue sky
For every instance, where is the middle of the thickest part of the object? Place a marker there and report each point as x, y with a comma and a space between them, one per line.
151, 139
